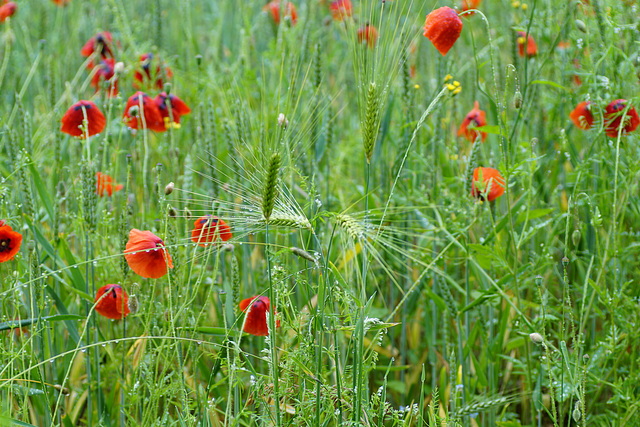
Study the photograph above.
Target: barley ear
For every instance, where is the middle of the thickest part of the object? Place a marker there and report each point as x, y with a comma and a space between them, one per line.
270, 192
370, 128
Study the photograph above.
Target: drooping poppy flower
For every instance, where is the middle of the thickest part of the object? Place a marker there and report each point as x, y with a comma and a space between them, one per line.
256, 322
7, 10
470, 4
102, 43
274, 7
532, 47
145, 254
581, 115
147, 75
208, 228
112, 302
105, 71
341, 9
368, 33
443, 27
487, 179
178, 108
73, 118
141, 111
477, 118
105, 183
10, 242
613, 118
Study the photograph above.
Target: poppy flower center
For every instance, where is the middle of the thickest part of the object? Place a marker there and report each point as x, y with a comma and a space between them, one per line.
5, 245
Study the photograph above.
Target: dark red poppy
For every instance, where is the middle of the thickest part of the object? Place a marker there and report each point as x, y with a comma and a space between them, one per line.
7, 10
105, 71
613, 118
581, 115
112, 302
208, 228
341, 9
532, 47
10, 242
368, 33
477, 117
274, 8
147, 75
141, 111
256, 322
73, 118
145, 254
106, 183
102, 43
487, 179
443, 27
178, 108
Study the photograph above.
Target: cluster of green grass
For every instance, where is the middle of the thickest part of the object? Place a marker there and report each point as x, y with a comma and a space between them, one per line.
402, 300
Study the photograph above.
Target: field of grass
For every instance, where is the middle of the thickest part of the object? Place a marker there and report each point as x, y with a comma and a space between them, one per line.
336, 233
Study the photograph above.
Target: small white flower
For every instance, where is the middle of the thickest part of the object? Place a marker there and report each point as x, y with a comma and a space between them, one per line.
282, 121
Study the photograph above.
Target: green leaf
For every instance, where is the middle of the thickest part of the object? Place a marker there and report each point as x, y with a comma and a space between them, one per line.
533, 214
42, 190
28, 322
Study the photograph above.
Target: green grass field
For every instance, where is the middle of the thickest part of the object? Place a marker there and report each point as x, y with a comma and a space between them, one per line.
332, 232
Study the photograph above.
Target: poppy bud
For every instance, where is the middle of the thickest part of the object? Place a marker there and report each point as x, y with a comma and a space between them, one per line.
187, 213
580, 25
565, 262
228, 247
198, 60
169, 188
167, 88
538, 280
575, 237
576, 414
31, 245
172, 212
62, 189
517, 100
536, 338
133, 304
118, 68
596, 220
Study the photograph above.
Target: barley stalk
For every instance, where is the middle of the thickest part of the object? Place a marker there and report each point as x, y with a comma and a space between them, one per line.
270, 191
371, 122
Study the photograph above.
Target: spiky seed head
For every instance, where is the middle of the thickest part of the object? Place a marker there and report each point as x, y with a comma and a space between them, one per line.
270, 191
370, 129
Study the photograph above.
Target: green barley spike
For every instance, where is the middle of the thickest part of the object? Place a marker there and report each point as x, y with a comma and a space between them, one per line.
471, 165
370, 126
270, 191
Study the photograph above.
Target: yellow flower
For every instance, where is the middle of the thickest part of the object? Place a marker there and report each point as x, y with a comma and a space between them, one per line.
515, 4
450, 86
448, 77
524, 6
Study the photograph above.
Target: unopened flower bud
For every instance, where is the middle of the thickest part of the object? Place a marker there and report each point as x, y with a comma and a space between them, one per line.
172, 212
169, 188
536, 338
118, 68
575, 237
134, 111
517, 100
198, 60
187, 213
539, 280
167, 88
282, 121
565, 262
580, 25
228, 247
133, 304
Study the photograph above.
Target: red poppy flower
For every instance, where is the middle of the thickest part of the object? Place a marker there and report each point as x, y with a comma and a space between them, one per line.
368, 33
105, 71
477, 117
274, 7
487, 179
113, 305
208, 228
10, 242
256, 322
61, 2
470, 4
145, 255
147, 75
581, 115
7, 10
532, 47
341, 9
102, 43
443, 27
178, 108
105, 183
141, 106
613, 118
73, 118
